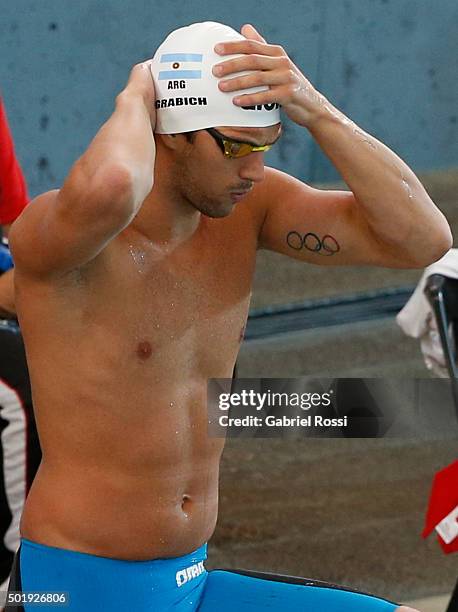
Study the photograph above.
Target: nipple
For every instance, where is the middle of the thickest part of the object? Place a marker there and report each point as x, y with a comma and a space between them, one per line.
144, 350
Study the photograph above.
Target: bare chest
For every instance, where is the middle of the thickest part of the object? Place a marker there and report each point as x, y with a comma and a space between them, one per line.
165, 307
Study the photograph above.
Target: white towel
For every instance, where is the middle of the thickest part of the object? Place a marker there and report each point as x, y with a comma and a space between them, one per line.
417, 319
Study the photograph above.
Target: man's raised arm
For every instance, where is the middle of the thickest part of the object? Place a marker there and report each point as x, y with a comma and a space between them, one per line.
387, 219
62, 230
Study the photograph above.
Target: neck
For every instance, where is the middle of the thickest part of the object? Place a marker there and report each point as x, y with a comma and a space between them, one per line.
165, 215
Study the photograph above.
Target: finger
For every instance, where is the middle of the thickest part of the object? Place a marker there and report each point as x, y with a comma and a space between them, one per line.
250, 31
136, 70
256, 79
235, 47
263, 97
246, 62
140, 72
149, 68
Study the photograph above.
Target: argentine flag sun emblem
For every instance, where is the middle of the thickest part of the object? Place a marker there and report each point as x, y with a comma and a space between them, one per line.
181, 66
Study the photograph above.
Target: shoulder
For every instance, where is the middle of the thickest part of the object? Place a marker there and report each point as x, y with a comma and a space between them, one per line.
278, 179
27, 230
276, 187
32, 215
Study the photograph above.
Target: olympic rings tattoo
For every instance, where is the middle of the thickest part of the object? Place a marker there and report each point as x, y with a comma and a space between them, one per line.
327, 245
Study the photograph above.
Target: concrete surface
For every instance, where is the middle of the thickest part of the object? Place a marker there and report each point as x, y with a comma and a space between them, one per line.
343, 511
366, 349
431, 604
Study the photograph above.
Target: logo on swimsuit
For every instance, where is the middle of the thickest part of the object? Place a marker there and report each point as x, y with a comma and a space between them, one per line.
191, 572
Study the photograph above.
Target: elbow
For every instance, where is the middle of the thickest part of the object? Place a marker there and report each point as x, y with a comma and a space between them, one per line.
443, 241
114, 189
127, 182
109, 190
447, 235
112, 182
436, 249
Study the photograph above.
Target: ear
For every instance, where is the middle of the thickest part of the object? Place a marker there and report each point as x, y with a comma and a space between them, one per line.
251, 33
170, 141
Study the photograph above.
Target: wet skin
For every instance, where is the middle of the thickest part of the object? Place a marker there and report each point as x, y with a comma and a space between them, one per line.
119, 365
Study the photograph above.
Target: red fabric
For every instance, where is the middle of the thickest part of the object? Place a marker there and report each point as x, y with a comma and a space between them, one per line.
443, 500
13, 190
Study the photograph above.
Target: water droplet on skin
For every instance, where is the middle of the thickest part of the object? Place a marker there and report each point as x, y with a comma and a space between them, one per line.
139, 258
406, 186
337, 114
364, 138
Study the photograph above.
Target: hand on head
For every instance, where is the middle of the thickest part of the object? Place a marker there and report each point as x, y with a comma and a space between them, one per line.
141, 83
251, 33
267, 66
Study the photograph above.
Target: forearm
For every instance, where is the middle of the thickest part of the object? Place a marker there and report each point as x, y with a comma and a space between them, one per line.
394, 203
125, 140
118, 166
390, 210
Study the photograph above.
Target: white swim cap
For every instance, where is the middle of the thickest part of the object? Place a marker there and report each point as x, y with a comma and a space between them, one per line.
187, 93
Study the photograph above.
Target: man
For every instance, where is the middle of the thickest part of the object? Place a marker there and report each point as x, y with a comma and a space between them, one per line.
133, 292
19, 448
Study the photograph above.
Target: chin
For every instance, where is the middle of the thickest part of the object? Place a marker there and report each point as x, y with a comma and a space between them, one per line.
218, 211
217, 214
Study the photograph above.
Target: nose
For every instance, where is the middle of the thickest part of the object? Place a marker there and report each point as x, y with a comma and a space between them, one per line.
252, 167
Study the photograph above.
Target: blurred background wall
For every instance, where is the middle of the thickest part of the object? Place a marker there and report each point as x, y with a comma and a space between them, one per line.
386, 63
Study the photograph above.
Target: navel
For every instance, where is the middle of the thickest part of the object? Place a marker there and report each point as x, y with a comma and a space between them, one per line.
186, 505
